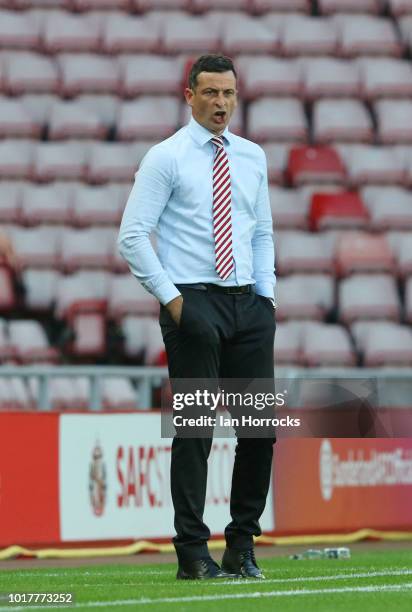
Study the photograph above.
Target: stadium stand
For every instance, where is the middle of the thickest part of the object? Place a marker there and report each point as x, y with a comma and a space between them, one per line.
88, 86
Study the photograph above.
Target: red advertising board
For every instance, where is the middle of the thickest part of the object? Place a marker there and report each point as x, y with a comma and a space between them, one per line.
334, 485
29, 495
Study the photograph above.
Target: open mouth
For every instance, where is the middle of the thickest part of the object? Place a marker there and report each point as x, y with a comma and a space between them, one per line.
220, 116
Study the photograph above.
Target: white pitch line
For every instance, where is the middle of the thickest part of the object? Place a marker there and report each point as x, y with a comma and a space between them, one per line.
373, 588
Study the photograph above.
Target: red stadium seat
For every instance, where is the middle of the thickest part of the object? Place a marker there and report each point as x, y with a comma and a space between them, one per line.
315, 165
336, 210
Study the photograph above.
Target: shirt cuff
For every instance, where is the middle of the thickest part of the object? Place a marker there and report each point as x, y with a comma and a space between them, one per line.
265, 289
166, 292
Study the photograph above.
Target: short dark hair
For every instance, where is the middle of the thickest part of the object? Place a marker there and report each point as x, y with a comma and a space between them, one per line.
213, 62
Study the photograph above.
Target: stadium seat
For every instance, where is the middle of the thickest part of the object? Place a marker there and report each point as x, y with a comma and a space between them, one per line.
277, 119
400, 7
248, 35
403, 250
126, 34
327, 345
288, 343
39, 106
394, 119
363, 252
366, 35
263, 6
64, 393
96, 205
114, 161
385, 77
83, 287
40, 288
66, 160
86, 5
315, 165
104, 105
14, 395
18, 31
149, 5
289, 208
270, 76
341, 121
29, 73
15, 120
16, 159
154, 345
303, 35
46, 204
70, 32
328, 7
304, 296
71, 119
336, 210
7, 293
88, 73
127, 296
10, 201
384, 343
209, 5
150, 74
87, 248
405, 27
368, 164
390, 208
134, 336
368, 296
302, 252
148, 117
38, 246
327, 76
119, 394
183, 34
87, 323
30, 340
7, 351
277, 156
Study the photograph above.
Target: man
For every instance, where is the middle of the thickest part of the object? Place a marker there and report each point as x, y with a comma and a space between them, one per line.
205, 192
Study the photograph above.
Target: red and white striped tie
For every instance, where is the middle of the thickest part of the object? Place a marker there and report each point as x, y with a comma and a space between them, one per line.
222, 211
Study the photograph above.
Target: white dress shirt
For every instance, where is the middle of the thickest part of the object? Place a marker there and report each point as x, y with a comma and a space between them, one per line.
172, 195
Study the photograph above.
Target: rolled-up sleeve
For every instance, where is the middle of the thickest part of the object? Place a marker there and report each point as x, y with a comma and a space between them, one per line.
262, 241
149, 196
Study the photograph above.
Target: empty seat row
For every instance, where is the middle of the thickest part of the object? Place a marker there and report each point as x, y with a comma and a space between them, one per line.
178, 32
66, 393
376, 343
341, 252
64, 203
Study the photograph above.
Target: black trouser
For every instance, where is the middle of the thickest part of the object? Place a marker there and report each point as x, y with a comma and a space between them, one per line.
219, 336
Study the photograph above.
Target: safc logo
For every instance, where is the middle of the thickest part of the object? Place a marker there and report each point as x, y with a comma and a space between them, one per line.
97, 481
362, 468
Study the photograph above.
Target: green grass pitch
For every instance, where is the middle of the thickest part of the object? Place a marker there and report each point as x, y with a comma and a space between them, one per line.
368, 582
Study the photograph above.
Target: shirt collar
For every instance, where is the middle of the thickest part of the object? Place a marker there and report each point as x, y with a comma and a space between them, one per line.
201, 135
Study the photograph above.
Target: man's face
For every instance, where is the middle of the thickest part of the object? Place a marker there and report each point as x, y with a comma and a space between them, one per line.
213, 100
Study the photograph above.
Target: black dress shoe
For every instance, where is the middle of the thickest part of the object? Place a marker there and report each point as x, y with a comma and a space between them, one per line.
241, 562
202, 569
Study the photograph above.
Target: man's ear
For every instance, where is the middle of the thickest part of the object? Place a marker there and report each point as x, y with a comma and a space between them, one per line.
189, 96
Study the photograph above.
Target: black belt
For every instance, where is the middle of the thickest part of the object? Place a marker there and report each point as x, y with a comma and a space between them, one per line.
234, 290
